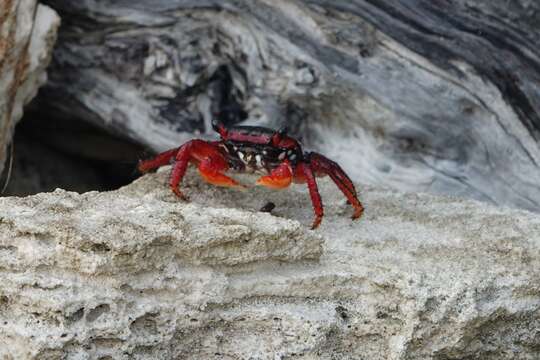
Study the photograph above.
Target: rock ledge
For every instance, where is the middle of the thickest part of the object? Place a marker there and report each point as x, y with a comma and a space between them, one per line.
137, 274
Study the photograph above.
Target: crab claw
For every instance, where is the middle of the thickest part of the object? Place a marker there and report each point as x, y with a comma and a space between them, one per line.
281, 177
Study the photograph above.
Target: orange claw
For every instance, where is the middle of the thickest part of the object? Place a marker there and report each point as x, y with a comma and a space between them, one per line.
210, 170
279, 178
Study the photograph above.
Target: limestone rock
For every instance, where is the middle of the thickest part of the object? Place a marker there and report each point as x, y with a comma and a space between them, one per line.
27, 35
138, 274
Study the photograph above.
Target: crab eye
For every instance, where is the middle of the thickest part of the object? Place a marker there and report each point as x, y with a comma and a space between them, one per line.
259, 160
282, 155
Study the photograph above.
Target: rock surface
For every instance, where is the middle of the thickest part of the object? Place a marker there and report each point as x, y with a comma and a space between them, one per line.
137, 274
418, 95
27, 35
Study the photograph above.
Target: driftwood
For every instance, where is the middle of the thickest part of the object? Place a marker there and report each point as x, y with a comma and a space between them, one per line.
421, 95
27, 34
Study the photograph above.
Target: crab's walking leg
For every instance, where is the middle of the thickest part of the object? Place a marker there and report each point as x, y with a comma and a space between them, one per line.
324, 166
350, 194
307, 174
279, 178
159, 160
179, 169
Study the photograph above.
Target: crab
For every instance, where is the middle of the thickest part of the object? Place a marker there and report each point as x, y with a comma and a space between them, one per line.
275, 155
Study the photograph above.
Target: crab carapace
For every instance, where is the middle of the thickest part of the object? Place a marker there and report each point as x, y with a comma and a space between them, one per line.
273, 154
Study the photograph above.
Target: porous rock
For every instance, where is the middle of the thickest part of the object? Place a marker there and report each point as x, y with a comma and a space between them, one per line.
138, 274
27, 35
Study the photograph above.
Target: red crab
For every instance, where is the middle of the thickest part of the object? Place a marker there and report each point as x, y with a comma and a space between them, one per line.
256, 149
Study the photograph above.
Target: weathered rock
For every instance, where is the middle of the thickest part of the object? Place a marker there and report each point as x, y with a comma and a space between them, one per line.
27, 35
414, 94
137, 274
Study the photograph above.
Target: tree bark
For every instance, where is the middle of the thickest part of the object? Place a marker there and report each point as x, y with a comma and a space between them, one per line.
420, 95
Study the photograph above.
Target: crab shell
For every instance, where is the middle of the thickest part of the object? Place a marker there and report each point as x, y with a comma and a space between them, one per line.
256, 149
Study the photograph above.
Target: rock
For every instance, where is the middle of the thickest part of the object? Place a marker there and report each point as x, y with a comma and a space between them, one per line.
138, 274
417, 95
27, 35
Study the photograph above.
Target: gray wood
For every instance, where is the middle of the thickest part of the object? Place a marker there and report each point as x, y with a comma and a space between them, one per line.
420, 95
27, 34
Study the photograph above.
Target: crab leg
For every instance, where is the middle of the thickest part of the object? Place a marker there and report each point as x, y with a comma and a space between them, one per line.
179, 170
306, 173
324, 166
279, 178
161, 159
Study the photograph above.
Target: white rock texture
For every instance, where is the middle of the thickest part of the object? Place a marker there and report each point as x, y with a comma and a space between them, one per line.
27, 35
138, 274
